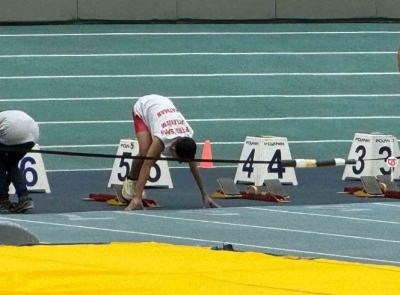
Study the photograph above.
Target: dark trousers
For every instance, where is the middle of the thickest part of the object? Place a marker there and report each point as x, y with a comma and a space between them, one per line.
9, 171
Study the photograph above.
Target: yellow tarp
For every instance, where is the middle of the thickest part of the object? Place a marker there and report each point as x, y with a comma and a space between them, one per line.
150, 268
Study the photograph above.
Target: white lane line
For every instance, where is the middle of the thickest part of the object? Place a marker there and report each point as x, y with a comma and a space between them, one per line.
326, 215
227, 119
260, 227
78, 146
76, 217
245, 96
387, 204
196, 54
345, 74
199, 33
200, 143
201, 240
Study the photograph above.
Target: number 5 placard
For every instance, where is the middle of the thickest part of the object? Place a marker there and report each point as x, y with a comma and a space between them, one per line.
159, 173
34, 172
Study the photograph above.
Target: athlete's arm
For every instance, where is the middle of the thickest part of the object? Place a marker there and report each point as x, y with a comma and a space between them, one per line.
196, 175
154, 152
207, 201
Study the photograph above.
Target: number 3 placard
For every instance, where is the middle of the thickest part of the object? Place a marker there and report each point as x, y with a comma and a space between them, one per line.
368, 146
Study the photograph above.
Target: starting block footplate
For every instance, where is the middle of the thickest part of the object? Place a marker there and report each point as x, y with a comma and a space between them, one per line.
227, 189
389, 186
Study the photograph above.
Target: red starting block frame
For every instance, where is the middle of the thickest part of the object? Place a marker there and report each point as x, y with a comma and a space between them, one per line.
113, 200
375, 186
118, 200
263, 196
272, 191
99, 197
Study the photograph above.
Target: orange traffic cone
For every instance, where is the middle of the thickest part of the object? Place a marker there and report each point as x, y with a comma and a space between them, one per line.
206, 155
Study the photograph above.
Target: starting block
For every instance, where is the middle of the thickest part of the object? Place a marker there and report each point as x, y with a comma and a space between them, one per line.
389, 186
272, 191
118, 200
387, 182
379, 186
275, 187
227, 189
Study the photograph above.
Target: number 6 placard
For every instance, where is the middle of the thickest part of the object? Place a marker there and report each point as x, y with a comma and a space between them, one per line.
159, 173
34, 172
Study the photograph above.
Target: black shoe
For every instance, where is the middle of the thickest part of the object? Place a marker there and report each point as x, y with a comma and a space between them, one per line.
22, 206
5, 206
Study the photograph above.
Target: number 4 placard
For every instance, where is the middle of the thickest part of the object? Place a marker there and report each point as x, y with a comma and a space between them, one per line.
34, 172
159, 173
265, 148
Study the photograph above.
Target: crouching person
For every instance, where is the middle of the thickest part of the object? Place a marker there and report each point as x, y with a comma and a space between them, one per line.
17, 131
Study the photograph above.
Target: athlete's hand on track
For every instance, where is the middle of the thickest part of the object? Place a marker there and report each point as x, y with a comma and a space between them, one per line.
208, 202
135, 204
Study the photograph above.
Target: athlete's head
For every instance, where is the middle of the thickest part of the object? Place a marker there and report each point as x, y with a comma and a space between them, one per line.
185, 148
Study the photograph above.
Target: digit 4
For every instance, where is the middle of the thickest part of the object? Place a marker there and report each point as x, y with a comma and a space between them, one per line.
276, 160
248, 165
